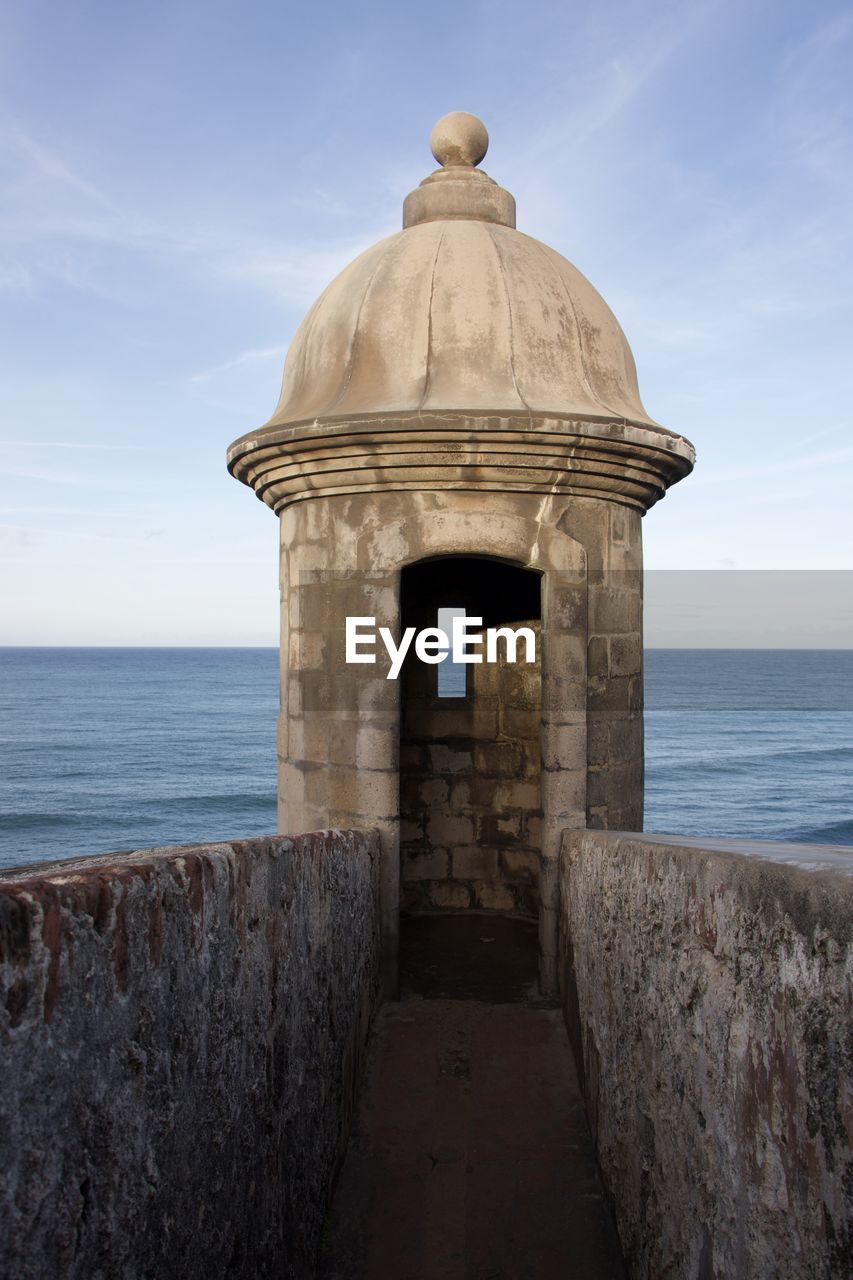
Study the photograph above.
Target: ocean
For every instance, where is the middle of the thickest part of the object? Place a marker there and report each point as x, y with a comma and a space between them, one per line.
112, 749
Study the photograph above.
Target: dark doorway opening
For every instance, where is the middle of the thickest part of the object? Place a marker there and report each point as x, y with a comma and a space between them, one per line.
470, 797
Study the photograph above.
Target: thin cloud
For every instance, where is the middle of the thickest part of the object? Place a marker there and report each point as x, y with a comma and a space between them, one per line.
292, 273
59, 478
255, 355
51, 166
602, 96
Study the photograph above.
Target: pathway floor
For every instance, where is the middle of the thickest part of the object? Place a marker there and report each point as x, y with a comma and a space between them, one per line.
470, 1157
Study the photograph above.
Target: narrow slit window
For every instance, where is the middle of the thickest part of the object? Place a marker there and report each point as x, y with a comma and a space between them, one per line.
452, 677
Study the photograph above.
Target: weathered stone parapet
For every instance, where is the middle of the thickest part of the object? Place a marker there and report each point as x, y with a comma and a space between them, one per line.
181, 1033
707, 991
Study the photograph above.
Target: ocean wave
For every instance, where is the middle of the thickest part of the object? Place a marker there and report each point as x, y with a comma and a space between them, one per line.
234, 802
716, 760
36, 821
833, 833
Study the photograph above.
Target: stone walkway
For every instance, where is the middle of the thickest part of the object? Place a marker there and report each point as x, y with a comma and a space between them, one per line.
470, 1156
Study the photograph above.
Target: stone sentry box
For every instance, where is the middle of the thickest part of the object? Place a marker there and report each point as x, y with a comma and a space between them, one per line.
461, 390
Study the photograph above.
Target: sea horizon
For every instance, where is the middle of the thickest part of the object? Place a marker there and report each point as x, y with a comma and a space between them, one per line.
108, 747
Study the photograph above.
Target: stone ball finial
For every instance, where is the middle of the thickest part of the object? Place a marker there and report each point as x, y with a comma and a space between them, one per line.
459, 140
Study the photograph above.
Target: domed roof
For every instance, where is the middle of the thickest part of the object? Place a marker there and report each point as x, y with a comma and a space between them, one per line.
458, 354
461, 312
460, 315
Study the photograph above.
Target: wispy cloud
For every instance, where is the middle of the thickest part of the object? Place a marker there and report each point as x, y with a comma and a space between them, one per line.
52, 212
255, 355
813, 110
294, 273
66, 479
552, 127
51, 166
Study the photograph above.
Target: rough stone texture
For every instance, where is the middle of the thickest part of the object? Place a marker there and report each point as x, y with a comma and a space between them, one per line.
470, 796
181, 1032
460, 390
707, 993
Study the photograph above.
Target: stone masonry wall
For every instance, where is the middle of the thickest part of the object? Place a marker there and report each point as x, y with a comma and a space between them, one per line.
470, 798
339, 728
180, 1038
707, 994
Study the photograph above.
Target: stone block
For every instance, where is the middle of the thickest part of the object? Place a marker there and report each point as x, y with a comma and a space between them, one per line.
619, 531
376, 747
532, 830
446, 759
598, 749
498, 829
483, 792
430, 865
411, 757
520, 722
319, 695
460, 795
493, 895
564, 795
474, 863
382, 603
520, 864
567, 608
291, 781
434, 793
598, 656
411, 800
376, 698
614, 611
388, 546
308, 651
518, 794
449, 895
484, 715
564, 698
563, 747
342, 749
626, 654
625, 741
563, 655
412, 830
294, 697
610, 698
316, 611
532, 758
498, 759
445, 829
519, 685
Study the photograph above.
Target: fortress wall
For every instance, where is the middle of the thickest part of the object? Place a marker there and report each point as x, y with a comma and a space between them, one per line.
707, 994
181, 1032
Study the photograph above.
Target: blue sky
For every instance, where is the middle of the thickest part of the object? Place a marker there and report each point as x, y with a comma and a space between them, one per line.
179, 181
